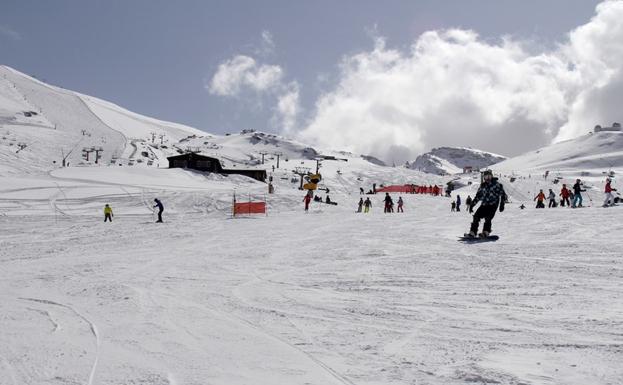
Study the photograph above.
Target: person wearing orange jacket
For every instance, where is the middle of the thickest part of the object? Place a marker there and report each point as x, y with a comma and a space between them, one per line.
539, 200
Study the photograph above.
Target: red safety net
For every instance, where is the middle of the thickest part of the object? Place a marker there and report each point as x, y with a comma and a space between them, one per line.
249, 208
407, 189
411, 189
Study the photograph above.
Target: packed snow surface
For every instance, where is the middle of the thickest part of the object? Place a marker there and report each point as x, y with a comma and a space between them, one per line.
328, 297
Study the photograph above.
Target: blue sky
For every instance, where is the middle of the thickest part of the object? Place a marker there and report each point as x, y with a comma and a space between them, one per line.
156, 57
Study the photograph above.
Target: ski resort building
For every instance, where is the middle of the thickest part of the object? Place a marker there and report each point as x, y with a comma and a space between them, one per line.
615, 127
195, 161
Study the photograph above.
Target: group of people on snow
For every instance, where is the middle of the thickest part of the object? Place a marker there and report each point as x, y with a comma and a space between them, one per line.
572, 197
108, 214
388, 205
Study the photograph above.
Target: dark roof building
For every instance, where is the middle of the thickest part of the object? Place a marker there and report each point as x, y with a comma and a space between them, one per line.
204, 163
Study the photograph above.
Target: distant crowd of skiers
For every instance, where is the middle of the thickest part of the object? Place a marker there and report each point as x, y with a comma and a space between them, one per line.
572, 197
387, 208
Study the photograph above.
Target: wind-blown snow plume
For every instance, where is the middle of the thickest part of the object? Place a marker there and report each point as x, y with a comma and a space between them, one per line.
288, 108
453, 88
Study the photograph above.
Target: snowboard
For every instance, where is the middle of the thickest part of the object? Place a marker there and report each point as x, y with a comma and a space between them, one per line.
469, 239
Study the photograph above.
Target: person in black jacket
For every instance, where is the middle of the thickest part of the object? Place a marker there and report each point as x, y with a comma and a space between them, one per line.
491, 194
577, 194
160, 209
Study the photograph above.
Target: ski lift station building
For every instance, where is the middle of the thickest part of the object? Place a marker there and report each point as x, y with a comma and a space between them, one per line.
195, 161
615, 127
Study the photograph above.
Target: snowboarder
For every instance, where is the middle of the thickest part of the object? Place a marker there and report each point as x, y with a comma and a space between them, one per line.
328, 200
552, 199
160, 209
307, 199
400, 204
522, 206
539, 198
366, 205
564, 196
468, 203
492, 195
608, 191
577, 194
453, 206
458, 203
360, 205
108, 213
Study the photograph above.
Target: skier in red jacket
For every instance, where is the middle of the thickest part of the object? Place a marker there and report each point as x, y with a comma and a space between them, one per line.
307, 199
564, 194
608, 191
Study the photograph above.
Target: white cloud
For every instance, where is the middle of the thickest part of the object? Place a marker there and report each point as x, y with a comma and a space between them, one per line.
453, 88
288, 108
242, 72
596, 52
9, 32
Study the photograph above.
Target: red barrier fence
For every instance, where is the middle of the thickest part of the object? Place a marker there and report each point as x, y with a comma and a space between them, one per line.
249, 208
411, 189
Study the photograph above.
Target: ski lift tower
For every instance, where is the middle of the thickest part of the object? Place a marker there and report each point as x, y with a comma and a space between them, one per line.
278, 154
86, 151
98, 151
301, 172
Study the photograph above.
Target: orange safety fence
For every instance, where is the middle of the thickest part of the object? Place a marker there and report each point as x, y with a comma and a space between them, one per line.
249, 208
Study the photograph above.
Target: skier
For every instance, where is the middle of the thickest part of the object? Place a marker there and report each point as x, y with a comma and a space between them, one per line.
400, 204
458, 203
577, 194
492, 195
108, 213
360, 205
552, 198
468, 203
564, 195
160, 209
388, 203
366, 205
608, 191
360, 190
453, 206
307, 199
539, 198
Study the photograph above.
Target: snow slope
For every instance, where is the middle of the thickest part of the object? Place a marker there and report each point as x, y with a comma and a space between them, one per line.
452, 160
66, 122
602, 150
329, 297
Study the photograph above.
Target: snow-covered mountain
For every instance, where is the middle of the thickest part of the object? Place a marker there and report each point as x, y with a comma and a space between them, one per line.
452, 160
41, 124
600, 150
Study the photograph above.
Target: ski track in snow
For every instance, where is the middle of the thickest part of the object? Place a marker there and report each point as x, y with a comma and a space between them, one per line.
92, 327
